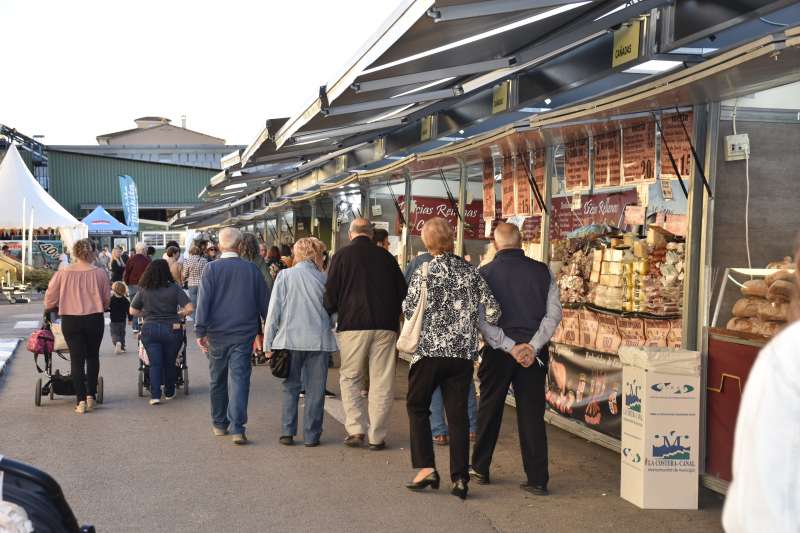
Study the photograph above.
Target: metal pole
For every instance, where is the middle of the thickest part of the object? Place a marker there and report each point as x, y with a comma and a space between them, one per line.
547, 193
334, 224
706, 289
462, 202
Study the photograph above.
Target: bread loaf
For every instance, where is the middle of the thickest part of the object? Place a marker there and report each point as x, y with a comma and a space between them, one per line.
746, 325
755, 287
780, 275
780, 291
770, 329
773, 311
746, 307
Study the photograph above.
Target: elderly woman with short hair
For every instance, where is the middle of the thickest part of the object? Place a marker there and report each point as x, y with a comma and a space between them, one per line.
81, 292
447, 349
297, 322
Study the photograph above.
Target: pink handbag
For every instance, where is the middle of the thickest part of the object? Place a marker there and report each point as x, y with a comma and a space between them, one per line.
41, 341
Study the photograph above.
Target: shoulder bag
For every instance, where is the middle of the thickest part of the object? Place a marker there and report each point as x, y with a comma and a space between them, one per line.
279, 363
408, 341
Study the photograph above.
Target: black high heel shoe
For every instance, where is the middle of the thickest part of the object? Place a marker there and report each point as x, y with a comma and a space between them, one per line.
460, 489
431, 480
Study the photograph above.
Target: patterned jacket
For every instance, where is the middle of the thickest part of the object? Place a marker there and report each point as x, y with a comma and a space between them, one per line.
452, 314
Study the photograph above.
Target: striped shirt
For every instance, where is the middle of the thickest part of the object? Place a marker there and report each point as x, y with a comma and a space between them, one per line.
193, 269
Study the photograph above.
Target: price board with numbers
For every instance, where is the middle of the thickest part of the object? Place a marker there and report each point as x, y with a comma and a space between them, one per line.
488, 189
576, 165
607, 159
674, 136
639, 153
523, 194
507, 187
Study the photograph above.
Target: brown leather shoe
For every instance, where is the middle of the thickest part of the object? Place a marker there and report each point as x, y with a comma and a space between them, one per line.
354, 441
440, 440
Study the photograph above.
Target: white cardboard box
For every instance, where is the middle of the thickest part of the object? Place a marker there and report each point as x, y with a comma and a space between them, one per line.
660, 432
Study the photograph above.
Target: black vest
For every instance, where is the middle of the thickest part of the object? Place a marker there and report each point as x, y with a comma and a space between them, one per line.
521, 285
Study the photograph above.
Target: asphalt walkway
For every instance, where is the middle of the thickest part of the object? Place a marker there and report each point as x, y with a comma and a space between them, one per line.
132, 467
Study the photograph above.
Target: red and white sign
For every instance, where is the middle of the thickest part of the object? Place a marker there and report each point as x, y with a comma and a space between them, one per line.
425, 208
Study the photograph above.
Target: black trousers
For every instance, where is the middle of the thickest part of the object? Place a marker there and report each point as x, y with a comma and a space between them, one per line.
453, 375
497, 371
83, 334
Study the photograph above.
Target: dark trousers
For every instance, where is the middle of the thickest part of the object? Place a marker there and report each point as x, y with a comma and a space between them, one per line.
162, 341
497, 371
83, 334
453, 376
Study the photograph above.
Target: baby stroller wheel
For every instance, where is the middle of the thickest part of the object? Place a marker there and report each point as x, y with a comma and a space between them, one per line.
100, 389
185, 372
37, 398
141, 383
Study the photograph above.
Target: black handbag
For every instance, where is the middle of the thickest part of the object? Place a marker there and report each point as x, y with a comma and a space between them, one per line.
279, 363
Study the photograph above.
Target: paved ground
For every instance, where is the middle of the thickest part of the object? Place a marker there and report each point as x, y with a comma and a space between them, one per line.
132, 467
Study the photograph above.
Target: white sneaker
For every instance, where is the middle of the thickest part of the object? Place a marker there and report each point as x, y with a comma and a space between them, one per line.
118, 348
155, 401
89, 404
80, 408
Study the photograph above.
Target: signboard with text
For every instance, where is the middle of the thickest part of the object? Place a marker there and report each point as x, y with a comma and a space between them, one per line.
607, 159
507, 187
639, 153
674, 136
576, 165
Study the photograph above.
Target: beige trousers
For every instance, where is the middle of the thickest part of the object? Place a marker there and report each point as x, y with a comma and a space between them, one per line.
373, 350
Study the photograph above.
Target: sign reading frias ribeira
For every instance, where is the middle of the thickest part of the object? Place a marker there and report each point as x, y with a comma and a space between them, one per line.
426, 208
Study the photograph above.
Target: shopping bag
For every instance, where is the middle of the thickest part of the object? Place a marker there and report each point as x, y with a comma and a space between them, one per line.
409, 337
60, 344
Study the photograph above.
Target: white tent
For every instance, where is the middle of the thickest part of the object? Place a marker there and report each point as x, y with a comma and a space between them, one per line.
18, 187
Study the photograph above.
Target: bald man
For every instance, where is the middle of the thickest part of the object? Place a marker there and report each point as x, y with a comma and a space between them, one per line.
517, 354
366, 288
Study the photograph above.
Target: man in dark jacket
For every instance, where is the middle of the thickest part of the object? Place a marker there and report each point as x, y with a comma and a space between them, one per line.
517, 354
366, 288
134, 268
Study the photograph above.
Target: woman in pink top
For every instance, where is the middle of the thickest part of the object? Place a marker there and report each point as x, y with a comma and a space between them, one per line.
81, 293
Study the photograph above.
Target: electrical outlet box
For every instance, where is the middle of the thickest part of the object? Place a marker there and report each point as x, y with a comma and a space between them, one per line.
737, 147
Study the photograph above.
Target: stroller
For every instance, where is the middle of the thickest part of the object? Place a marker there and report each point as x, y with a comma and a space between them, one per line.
57, 383
182, 381
40, 496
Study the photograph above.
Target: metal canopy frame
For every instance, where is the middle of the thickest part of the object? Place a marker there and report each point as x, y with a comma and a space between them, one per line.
491, 7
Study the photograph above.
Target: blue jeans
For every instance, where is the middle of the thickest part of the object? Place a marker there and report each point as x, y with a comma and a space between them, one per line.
193, 297
438, 424
307, 371
162, 344
230, 369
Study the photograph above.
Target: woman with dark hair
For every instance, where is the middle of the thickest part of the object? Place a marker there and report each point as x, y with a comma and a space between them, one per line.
286, 255
163, 304
173, 259
193, 270
81, 292
274, 265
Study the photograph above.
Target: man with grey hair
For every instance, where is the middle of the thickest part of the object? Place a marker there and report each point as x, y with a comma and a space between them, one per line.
134, 269
231, 304
366, 288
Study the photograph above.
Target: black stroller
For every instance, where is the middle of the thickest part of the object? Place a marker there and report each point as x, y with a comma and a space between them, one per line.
57, 383
40, 496
182, 381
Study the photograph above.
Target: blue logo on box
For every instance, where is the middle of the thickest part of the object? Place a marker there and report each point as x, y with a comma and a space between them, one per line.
632, 399
672, 388
669, 447
631, 456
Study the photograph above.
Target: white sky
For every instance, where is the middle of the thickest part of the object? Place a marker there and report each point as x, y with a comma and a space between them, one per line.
72, 70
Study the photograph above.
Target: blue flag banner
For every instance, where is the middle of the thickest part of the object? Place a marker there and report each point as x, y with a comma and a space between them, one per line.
130, 202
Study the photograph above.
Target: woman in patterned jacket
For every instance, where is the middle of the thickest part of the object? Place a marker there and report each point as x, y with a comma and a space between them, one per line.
447, 349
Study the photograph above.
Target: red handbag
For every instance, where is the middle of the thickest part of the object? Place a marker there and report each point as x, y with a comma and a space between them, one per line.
41, 341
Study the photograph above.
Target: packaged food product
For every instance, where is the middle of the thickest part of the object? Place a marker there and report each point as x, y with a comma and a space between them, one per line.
773, 311
780, 275
571, 322
632, 331
609, 267
675, 335
588, 328
655, 332
755, 287
608, 338
746, 307
780, 291
611, 280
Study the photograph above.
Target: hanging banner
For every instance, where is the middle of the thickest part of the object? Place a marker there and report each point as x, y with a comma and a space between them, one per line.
601, 208
425, 208
639, 153
507, 186
675, 137
488, 189
130, 201
523, 194
607, 159
576, 165
586, 386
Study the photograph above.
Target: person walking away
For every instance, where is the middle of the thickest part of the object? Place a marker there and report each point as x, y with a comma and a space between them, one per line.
162, 304
118, 315
298, 322
274, 265
81, 292
415, 263
231, 304
445, 355
117, 265
517, 355
193, 271
366, 288
171, 244
286, 255
173, 256
134, 269
250, 250
763, 495
104, 259
381, 238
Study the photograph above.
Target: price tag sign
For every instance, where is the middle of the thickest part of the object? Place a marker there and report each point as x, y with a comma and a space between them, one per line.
487, 228
666, 189
377, 210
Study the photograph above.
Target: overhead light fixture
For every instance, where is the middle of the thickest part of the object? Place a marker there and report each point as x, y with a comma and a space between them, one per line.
423, 87
461, 132
654, 66
450, 139
479, 36
547, 101
533, 109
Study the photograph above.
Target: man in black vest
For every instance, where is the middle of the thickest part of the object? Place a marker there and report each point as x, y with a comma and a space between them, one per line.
517, 355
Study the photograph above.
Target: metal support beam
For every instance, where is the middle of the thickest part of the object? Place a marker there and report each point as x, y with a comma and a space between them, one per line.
349, 130
406, 232
393, 102
433, 75
490, 7
462, 202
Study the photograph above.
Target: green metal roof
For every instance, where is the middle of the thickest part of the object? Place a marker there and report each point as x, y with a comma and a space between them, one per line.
77, 179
